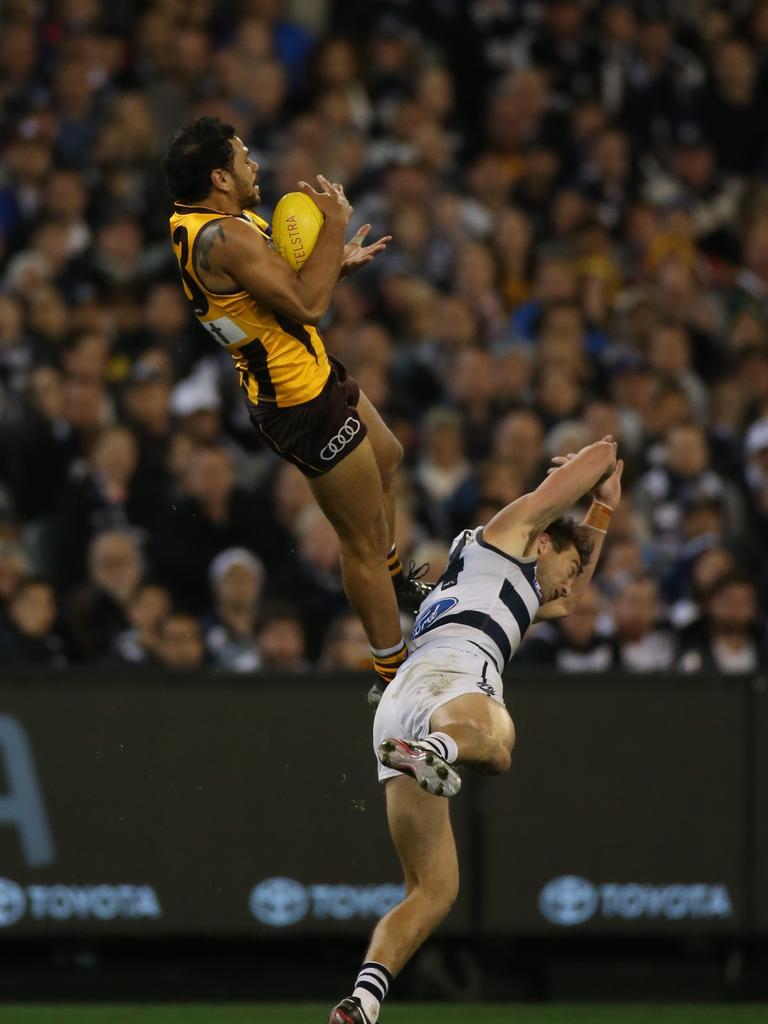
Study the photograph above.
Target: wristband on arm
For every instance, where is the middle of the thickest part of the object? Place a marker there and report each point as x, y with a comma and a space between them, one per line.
598, 517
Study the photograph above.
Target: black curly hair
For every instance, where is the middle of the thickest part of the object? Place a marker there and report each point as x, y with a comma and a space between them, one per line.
196, 150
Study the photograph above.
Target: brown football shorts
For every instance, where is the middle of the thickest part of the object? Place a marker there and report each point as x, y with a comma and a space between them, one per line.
315, 435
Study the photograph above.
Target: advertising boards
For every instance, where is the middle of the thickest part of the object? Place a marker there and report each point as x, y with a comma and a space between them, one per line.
143, 808
623, 812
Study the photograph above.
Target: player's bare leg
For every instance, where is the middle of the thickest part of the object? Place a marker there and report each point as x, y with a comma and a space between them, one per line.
351, 496
482, 730
470, 730
421, 831
420, 827
388, 453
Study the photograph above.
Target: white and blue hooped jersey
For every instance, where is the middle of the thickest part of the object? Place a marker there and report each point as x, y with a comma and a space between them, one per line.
484, 596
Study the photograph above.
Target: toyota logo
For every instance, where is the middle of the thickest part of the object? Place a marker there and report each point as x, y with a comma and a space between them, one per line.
568, 900
13, 902
279, 902
341, 440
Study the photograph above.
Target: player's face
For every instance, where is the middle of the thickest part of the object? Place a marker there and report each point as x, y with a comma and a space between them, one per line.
245, 175
556, 572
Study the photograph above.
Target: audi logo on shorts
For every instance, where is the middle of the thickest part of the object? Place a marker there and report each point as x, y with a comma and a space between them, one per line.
340, 441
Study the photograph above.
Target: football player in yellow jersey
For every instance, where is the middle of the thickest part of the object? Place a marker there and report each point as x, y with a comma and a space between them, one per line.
301, 401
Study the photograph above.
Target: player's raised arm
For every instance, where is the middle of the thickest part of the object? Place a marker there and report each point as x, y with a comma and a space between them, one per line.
233, 248
513, 526
570, 482
606, 497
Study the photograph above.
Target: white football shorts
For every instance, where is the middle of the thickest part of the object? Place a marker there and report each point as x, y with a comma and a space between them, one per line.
432, 676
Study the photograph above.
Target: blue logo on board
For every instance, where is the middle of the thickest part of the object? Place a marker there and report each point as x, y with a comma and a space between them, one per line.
433, 612
568, 900
279, 902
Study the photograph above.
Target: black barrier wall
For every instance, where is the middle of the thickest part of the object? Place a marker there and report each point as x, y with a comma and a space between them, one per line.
204, 807
218, 806
757, 861
624, 811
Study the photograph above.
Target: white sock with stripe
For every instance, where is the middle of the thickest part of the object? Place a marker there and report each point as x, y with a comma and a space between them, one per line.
442, 744
371, 988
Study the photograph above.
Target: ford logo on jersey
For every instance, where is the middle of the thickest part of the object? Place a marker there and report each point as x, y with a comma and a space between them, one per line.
429, 614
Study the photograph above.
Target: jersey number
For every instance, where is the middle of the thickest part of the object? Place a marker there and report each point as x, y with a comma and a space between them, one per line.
196, 295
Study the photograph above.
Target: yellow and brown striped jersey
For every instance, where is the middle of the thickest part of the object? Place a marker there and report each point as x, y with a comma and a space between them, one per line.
281, 362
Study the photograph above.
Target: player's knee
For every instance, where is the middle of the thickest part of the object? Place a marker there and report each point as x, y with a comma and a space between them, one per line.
441, 897
499, 759
502, 747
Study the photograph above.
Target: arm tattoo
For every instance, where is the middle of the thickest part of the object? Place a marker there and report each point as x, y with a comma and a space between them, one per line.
208, 237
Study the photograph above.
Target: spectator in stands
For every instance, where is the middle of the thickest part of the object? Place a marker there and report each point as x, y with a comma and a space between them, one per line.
471, 389
14, 568
756, 473
40, 444
519, 439
670, 355
492, 485
30, 636
731, 637
310, 580
642, 643
100, 497
145, 400
731, 105
146, 610
196, 406
581, 246
574, 643
280, 638
345, 645
237, 581
684, 478
96, 610
701, 573
442, 468
180, 645
165, 325
210, 516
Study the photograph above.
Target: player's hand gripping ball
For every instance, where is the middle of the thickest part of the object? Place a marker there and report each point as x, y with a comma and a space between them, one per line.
296, 224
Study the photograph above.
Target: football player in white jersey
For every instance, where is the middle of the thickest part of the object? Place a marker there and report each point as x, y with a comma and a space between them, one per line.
445, 706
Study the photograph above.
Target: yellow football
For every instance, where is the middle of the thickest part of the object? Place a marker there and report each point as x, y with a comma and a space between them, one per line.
296, 224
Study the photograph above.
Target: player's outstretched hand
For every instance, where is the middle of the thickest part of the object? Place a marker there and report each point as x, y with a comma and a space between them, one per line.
356, 254
609, 491
331, 199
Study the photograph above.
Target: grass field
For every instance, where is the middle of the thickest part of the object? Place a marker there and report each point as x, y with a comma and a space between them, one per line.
306, 1013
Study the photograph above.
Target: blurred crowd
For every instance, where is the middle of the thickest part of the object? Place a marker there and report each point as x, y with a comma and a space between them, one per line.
578, 196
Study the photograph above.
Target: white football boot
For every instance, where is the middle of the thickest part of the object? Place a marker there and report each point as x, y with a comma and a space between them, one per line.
432, 772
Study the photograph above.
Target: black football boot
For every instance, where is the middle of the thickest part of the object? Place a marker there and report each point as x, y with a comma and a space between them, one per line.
409, 588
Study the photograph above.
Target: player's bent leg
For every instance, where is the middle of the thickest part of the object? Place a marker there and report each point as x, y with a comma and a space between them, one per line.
421, 831
470, 730
482, 730
351, 496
